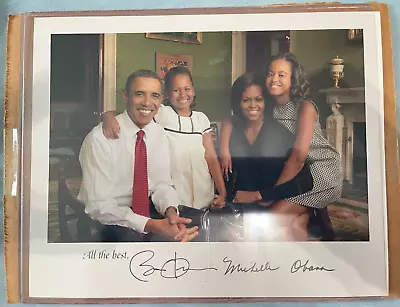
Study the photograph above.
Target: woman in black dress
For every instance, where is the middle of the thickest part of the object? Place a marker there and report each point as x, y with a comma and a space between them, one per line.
259, 147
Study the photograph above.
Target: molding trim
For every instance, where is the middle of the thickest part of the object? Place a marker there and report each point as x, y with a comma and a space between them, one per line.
238, 54
110, 69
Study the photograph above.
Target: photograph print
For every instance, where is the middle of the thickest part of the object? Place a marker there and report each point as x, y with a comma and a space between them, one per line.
256, 158
332, 203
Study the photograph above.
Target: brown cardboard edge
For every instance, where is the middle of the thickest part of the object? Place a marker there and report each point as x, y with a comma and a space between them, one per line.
26, 131
200, 300
270, 8
390, 137
391, 153
11, 121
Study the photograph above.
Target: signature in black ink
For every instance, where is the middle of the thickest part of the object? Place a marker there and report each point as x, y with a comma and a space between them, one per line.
140, 267
306, 267
253, 268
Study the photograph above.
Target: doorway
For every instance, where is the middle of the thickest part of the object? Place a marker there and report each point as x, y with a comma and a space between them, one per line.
76, 102
262, 45
76, 89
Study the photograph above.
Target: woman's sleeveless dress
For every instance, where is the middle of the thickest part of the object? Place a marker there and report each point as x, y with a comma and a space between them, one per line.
325, 165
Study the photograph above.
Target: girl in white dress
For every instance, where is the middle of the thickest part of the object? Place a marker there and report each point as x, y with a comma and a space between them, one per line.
194, 163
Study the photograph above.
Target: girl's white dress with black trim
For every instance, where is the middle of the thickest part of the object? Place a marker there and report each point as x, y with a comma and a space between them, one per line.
189, 168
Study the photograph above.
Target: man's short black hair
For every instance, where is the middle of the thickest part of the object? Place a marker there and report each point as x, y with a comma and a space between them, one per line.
141, 73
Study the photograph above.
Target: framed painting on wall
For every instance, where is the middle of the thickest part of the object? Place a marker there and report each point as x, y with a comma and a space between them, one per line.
183, 37
355, 34
165, 61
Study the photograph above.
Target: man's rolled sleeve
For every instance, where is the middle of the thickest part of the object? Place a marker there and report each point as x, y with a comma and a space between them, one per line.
163, 193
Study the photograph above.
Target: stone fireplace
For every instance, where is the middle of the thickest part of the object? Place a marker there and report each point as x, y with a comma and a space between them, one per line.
345, 130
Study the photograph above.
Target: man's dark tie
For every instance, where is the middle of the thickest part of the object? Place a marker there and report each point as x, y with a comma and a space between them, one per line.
140, 198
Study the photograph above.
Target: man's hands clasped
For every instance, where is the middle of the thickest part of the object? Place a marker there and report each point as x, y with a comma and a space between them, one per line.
178, 226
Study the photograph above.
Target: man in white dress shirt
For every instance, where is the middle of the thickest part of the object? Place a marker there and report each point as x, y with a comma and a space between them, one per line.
108, 170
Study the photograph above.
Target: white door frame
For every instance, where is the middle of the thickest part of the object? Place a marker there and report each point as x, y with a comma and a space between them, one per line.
110, 69
238, 54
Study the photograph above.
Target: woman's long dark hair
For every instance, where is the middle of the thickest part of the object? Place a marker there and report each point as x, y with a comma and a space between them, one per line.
300, 87
240, 85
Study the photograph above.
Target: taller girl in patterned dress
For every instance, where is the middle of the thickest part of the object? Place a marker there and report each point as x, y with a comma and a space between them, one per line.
289, 90
194, 163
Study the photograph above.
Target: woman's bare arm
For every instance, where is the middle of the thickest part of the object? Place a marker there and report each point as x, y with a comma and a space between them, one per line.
214, 167
225, 134
305, 131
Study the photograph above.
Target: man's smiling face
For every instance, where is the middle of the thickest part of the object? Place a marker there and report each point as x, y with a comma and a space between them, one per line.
143, 100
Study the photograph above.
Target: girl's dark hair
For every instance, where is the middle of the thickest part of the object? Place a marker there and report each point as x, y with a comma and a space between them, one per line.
240, 85
300, 87
170, 76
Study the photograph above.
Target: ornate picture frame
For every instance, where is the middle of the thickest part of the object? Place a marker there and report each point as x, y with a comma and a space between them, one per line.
182, 37
165, 61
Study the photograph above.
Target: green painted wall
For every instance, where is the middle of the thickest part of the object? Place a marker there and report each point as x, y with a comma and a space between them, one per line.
315, 49
212, 65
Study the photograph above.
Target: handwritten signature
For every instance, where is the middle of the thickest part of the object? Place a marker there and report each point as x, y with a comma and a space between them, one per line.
140, 267
306, 267
253, 268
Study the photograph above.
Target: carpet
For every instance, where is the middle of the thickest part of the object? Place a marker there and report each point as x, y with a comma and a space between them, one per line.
350, 223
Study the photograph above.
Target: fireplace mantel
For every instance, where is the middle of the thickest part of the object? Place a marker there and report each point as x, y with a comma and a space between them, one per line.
352, 95
348, 107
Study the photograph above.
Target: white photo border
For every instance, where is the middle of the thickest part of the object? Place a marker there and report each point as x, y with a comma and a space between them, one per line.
59, 270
